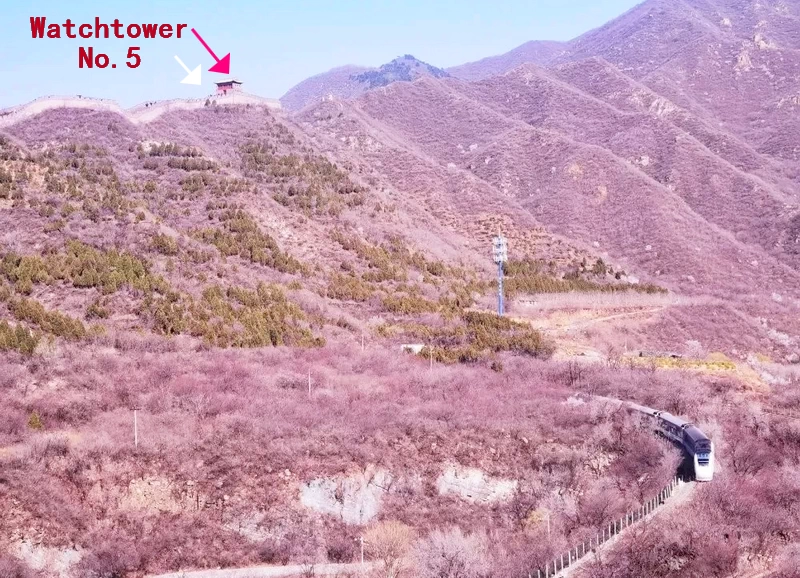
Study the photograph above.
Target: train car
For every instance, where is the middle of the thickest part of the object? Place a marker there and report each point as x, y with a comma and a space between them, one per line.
671, 426
696, 444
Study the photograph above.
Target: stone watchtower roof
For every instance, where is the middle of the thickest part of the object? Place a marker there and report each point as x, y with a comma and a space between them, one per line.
228, 81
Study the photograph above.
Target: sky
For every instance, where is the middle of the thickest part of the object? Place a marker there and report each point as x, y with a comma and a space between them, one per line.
273, 45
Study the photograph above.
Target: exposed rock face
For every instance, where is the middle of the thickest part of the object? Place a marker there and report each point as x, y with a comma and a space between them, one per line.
51, 561
356, 498
473, 485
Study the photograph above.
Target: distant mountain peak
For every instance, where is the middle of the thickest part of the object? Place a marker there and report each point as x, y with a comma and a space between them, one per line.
350, 82
402, 68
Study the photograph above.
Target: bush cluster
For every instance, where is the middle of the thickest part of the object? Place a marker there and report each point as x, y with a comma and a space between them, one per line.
476, 336
391, 260
310, 183
219, 186
348, 288
83, 266
31, 311
233, 317
167, 150
527, 276
410, 303
192, 164
240, 235
165, 244
17, 338
382, 265
52, 322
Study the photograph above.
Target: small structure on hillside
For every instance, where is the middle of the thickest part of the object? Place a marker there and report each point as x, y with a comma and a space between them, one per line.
228, 85
412, 347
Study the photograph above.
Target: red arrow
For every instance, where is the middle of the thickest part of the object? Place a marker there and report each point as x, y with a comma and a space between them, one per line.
223, 65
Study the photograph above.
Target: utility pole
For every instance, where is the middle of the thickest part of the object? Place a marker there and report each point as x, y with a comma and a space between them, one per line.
360, 539
500, 255
135, 427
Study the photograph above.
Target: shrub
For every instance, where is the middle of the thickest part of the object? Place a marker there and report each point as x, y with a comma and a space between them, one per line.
271, 551
409, 304
165, 245
192, 164
348, 288
382, 264
527, 276
236, 317
35, 421
389, 542
341, 549
451, 554
18, 338
97, 310
52, 322
109, 561
310, 183
240, 235
83, 266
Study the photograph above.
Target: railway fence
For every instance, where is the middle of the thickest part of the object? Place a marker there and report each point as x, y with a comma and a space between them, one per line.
567, 559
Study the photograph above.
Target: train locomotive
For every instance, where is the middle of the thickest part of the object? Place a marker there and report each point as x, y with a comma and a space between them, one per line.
699, 448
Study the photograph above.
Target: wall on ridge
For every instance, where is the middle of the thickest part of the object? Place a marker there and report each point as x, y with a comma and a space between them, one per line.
19, 113
141, 113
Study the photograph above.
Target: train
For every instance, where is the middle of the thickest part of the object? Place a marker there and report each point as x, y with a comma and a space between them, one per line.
697, 445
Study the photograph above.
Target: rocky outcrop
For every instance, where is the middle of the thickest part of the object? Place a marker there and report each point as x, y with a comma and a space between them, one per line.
474, 485
355, 499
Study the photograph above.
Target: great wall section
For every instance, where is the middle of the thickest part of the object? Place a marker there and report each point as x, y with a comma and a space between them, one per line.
141, 113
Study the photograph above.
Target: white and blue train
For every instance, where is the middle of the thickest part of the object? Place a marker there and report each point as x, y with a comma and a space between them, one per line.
696, 444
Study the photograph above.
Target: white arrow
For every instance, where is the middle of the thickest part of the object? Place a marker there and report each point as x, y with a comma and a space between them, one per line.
193, 75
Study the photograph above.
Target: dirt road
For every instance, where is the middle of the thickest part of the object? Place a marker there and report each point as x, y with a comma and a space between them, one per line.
272, 571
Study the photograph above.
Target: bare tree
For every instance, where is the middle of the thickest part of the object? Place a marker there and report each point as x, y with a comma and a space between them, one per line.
389, 542
452, 554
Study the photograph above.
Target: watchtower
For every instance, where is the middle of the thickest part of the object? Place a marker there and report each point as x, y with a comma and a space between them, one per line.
228, 85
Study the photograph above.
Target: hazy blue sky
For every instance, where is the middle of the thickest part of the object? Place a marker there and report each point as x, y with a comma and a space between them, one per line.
273, 45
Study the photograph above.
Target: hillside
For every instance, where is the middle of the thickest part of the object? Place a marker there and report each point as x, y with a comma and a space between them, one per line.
163, 266
535, 52
607, 154
642, 204
297, 310
338, 82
